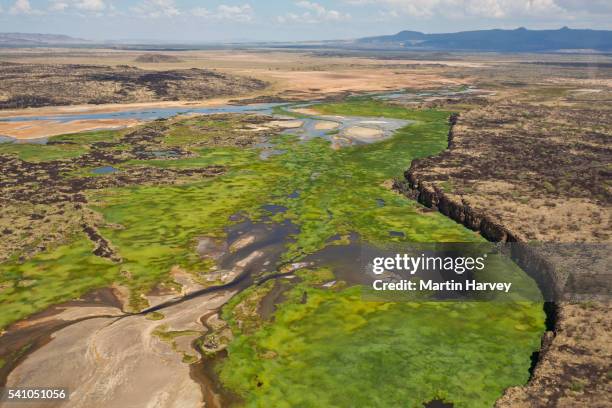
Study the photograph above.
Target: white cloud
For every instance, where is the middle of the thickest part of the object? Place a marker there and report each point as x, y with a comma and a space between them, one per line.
82, 5
388, 13
242, 13
91, 5
315, 13
316, 7
156, 9
58, 5
23, 7
201, 12
236, 13
590, 6
496, 9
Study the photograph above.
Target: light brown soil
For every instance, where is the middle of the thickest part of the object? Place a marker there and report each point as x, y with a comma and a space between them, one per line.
287, 124
312, 84
115, 357
108, 108
306, 111
292, 75
326, 125
36, 129
364, 133
539, 168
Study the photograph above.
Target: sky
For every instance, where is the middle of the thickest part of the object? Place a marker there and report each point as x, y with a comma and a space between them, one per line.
193, 21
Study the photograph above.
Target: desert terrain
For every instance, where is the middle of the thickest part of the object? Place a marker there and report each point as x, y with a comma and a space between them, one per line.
211, 244
65, 81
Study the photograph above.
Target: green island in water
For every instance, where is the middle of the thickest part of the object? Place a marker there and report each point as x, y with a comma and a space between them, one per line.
320, 344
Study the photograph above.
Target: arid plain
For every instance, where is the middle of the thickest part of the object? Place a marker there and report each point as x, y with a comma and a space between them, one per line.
519, 151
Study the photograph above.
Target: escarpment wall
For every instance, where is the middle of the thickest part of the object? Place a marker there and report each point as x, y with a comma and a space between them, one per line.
549, 279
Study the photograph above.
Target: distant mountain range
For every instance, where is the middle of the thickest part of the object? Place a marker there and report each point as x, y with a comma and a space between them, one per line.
519, 40
27, 39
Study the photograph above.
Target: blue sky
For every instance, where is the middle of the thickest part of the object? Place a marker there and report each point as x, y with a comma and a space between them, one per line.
229, 20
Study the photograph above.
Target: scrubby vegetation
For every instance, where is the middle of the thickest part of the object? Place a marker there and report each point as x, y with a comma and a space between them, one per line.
146, 217
35, 85
535, 161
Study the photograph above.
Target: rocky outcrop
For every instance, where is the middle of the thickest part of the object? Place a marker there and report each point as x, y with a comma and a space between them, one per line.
550, 280
36, 85
102, 248
568, 369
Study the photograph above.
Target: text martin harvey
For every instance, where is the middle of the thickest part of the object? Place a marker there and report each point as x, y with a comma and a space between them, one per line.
451, 285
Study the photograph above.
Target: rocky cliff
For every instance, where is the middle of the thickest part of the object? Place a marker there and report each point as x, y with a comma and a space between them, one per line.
571, 367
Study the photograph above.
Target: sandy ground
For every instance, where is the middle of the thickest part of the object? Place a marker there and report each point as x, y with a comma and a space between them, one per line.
326, 125
261, 59
313, 84
364, 133
306, 111
109, 108
302, 76
287, 124
115, 358
71, 314
37, 129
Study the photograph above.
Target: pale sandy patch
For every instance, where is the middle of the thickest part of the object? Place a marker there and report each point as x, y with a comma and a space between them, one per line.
186, 280
311, 84
364, 133
71, 313
111, 107
586, 90
326, 125
373, 122
287, 124
255, 128
37, 129
121, 363
305, 111
242, 242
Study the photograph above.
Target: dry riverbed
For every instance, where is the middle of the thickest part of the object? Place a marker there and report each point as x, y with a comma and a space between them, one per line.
116, 357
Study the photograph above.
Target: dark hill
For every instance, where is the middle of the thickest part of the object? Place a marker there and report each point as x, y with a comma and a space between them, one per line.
157, 58
32, 39
520, 39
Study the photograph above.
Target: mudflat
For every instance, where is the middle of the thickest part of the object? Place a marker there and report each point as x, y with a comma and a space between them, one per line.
115, 357
44, 128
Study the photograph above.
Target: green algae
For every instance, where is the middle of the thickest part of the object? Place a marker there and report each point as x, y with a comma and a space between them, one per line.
40, 153
169, 336
337, 350
334, 349
155, 316
63, 146
160, 225
64, 273
338, 191
200, 130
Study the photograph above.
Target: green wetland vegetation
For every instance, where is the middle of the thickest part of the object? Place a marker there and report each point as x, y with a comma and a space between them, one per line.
323, 346
61, 147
